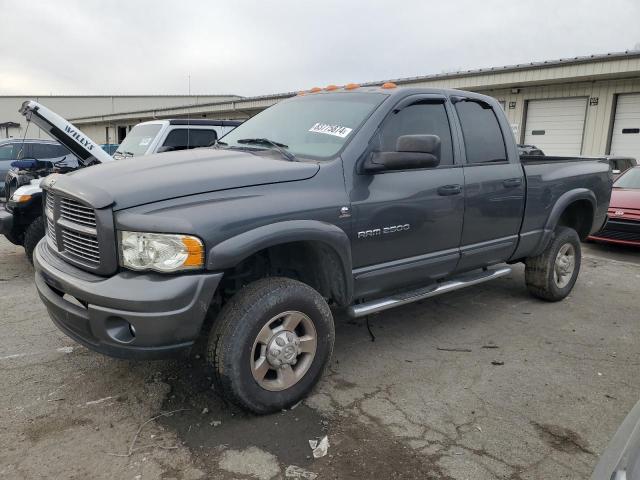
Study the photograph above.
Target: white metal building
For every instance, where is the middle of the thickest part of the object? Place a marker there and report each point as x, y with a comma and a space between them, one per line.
70, 106
575, 106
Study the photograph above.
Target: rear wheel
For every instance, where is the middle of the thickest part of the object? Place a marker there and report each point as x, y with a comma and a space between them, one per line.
33, 234
270, 344
552, 274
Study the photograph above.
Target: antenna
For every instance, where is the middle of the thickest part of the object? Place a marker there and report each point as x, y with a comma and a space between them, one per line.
189, 117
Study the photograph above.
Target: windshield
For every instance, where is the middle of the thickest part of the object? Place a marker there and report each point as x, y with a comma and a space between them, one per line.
310, 126
631, 179
138, 139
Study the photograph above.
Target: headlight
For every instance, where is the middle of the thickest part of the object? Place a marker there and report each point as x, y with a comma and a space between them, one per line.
20, 198
160, 252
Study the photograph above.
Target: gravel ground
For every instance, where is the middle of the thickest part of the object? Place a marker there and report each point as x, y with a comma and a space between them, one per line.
479, 384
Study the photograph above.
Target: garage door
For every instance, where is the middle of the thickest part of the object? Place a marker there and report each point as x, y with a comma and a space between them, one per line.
625, 139
556, 126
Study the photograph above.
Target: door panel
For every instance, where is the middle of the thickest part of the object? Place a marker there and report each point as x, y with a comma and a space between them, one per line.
407, 223
494, 205
424, 247
494, 189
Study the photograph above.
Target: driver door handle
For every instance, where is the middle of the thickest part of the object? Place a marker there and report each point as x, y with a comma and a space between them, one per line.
512, 182
446, 190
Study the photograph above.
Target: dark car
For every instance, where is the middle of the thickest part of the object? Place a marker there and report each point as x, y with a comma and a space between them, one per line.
619, 165
17, 149
362, 198
623, 225
529, 150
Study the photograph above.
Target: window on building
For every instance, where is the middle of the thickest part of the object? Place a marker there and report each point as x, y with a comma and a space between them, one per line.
483, 140
422, 118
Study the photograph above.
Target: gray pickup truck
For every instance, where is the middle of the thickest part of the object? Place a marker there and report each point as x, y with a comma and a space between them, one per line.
356, 198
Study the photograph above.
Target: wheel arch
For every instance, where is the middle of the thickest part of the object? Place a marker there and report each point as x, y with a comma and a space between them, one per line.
575, 209
326, 249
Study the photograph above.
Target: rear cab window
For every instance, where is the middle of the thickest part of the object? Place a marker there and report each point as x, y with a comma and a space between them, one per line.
483, 139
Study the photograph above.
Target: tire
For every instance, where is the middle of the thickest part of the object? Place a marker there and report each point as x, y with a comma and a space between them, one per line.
15, 239
543, 273
33, 234
242, 341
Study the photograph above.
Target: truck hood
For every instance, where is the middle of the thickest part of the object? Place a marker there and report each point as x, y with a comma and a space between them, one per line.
140, 180
625, 198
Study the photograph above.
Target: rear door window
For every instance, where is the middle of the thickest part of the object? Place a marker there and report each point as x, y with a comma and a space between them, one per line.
186, 138
483, 140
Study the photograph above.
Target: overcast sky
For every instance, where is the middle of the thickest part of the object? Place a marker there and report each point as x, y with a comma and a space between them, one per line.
255, 47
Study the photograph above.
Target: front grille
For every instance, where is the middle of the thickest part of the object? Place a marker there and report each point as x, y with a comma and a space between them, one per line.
50, 203
76, 212
72, 230
621, 229
618, 235
81, 246
51, 232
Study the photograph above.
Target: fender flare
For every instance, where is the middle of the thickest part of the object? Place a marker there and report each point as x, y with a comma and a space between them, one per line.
558, 209
228, 253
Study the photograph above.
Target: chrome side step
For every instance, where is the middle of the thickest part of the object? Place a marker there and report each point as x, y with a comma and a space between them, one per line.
462, 281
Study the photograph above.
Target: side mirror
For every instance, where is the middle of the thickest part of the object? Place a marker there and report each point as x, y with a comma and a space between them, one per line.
412, 151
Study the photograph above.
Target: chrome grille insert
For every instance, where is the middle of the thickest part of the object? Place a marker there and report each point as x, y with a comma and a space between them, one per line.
76, 212
81, 246
51, 231
72, 229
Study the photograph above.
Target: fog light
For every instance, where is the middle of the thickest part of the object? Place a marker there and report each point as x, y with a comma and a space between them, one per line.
120, 330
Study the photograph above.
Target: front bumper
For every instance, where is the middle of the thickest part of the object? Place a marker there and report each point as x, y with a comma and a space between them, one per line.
128, 315
6, 221
623, 231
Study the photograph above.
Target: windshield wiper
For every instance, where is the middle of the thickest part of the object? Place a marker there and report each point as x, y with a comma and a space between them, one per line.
276, 145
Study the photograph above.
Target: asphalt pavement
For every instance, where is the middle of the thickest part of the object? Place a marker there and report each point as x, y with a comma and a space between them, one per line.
482, 383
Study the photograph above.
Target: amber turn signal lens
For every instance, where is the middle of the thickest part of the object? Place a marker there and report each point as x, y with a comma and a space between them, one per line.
195, 251
23, 198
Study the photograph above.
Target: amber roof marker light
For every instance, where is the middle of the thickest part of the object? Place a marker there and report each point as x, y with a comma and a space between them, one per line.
315, 90
330, 88
351, 86
389, 85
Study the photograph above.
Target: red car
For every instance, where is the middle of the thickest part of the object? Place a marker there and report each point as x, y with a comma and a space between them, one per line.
623, 225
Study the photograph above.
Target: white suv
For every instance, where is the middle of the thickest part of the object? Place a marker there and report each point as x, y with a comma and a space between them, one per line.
159, 136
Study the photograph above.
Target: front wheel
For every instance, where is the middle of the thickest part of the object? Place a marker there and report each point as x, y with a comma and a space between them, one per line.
552, 274
32, 235
270, 344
